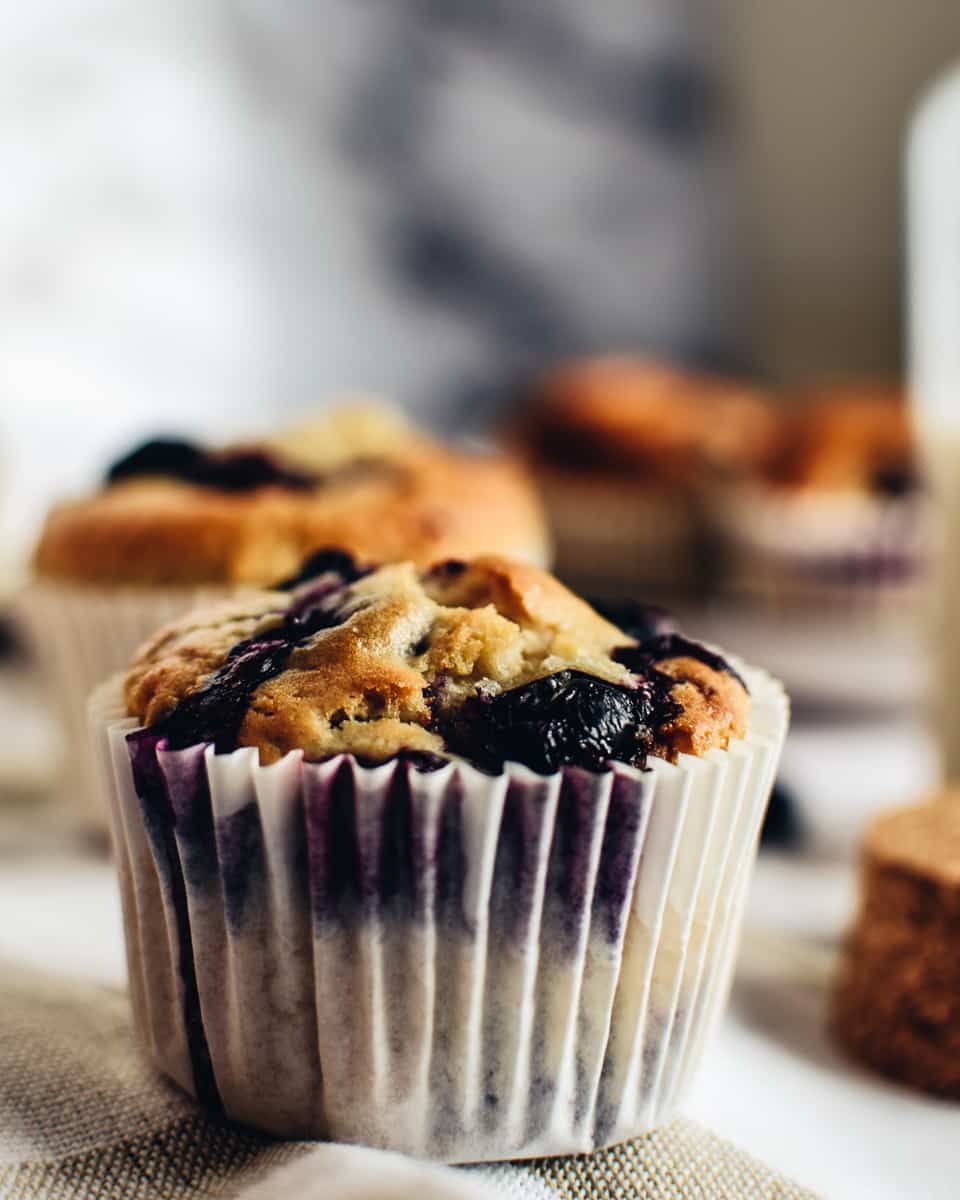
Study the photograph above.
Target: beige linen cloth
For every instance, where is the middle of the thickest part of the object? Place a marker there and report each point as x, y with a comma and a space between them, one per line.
84, 1117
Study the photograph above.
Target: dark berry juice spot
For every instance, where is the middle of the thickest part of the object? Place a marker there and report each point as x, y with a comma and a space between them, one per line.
566, 719
638, 621
215, 711
641, 659
161, 456
450, 568
329, 561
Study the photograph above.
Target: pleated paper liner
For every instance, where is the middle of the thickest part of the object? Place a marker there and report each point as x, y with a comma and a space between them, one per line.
459, 966
81, 635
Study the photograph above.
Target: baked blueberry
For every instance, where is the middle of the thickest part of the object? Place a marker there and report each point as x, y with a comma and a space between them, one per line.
672, 645
227, 470
324, 562
565, 719
638, 621
159, 456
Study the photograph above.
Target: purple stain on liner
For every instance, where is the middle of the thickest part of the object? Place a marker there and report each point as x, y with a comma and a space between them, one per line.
540, 1098
330, 823
569, 894
160, 817
518, 855
620, 855
448, 861
566, 918
243, 867
187, 786
393, 886
524, 840
567, 898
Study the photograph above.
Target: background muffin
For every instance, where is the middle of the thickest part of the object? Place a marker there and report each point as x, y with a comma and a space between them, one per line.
625, 450
176, 524
836, 514
423, 765
824, 551
174, 513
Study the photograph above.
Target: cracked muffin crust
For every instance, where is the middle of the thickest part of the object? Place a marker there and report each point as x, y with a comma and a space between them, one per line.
490, 661
174, 514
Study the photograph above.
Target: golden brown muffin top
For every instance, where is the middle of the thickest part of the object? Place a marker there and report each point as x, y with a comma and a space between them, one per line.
923, 840
371, 486
635, 415
848, 436
490, 660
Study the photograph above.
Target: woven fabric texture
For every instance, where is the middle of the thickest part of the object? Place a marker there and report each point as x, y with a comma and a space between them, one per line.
84, 1117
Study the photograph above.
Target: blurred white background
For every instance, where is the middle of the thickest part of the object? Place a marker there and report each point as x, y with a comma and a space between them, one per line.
212, 214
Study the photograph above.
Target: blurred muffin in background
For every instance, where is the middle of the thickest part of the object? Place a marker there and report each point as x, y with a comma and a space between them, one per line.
837, 514
625, 450
175, 514
176, 524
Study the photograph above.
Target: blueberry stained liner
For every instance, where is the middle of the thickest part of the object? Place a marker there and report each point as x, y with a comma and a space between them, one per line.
465, 890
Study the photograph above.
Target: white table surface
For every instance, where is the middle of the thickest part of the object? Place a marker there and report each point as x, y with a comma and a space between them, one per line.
772, 1081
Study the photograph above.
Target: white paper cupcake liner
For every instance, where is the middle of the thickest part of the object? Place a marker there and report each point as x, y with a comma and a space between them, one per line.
449, 964
81, 635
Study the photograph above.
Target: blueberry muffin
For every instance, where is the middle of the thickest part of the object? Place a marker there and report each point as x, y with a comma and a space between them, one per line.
836, 513
450, 862
896, 1005
625, 450
175, 514
176, 524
